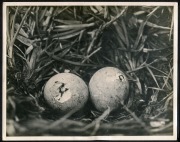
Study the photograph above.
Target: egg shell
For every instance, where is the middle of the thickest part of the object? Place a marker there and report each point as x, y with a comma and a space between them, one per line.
108, 87
66, 91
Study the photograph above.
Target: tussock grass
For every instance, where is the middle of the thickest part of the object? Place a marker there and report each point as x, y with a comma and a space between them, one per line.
43, 41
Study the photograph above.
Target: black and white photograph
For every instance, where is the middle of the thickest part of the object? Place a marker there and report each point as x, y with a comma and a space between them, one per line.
89, 71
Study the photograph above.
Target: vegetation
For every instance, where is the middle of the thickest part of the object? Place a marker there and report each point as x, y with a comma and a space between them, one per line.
44, 40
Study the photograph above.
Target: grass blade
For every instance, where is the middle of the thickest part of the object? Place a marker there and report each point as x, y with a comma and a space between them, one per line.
125, 33
168, 77
75, 26
21, 32
67, 22
119, 31
24, 40
152, 74
71, 62
153, 25
13, 23
141, 28
66, 35
172, 23
10, 53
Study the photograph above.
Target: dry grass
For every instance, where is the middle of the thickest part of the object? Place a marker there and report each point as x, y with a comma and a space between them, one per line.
42, 41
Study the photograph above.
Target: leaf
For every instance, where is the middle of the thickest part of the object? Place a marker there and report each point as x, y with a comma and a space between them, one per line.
99, 8
154, 25
47, 20
157, 123
33, 59
106, 12
119, 31
21, 32
132, 22
29, 49
64, 52
32, 26
75, 26
140, 33
138, 13
67, 22
94, 9
24, 40
138, 84
42, 14
10, 128
67, 35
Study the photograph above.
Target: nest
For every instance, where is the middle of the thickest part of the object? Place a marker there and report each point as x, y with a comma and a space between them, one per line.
44, 41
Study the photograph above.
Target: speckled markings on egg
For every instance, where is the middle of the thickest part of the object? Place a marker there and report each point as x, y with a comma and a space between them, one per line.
108, 87
66, 91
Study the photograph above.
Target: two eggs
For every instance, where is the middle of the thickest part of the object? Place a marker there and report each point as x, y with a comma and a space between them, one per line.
108, 87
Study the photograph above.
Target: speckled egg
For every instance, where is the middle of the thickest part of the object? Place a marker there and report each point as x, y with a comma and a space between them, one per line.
66, 91
108, 87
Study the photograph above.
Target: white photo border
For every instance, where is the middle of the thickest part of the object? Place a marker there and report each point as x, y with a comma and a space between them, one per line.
88, 138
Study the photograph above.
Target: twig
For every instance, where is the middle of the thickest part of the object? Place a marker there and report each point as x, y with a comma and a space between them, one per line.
157, 70
167, 78
87, 57
170, 125
22, 57
167, 102
57, 122
152, 74
165, 97
135, 117
19, 50
106, 112
11, 89
97, 126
